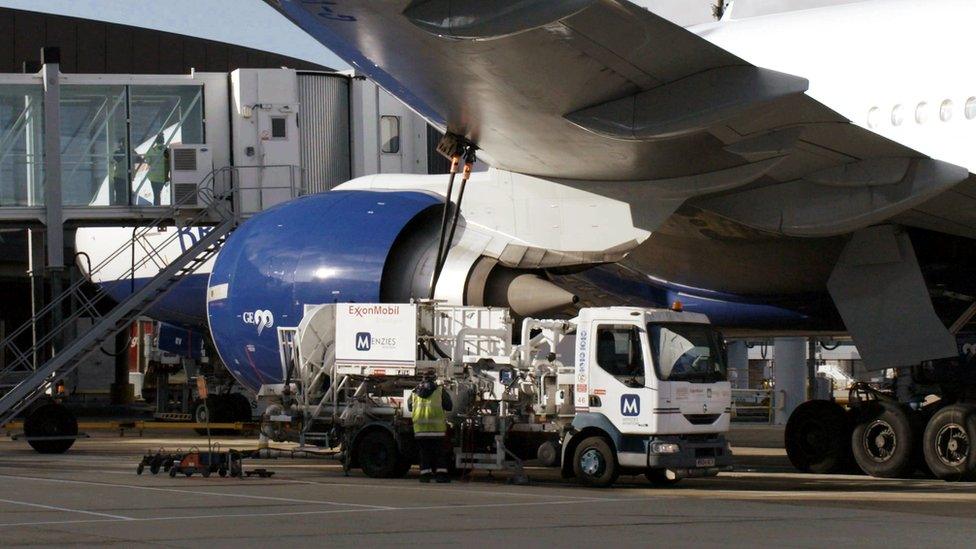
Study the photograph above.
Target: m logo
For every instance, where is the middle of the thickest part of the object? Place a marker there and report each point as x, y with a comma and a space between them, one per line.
630, 405
260, 318
364, 341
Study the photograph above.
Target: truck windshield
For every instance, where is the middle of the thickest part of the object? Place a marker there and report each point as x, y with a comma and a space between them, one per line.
686, 352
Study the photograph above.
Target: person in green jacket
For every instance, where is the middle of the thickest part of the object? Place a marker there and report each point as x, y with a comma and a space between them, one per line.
428, 404
158, 159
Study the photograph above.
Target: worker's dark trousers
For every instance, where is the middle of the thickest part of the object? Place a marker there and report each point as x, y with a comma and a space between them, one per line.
433, 453
157, 190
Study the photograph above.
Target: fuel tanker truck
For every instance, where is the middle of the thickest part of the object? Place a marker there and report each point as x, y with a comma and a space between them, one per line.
615, 390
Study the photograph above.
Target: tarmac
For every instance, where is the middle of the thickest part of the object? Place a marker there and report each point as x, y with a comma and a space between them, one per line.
92, 496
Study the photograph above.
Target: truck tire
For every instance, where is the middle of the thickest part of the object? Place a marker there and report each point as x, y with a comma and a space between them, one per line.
240, 407
659, 478
883, 441
818, 437
594, 463
377, 454
949, 443
51, 420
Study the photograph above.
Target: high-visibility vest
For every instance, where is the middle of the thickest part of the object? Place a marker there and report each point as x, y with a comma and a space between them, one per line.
156, 157
428, 414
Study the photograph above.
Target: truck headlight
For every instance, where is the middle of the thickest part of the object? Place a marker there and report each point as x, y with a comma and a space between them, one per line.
665, 448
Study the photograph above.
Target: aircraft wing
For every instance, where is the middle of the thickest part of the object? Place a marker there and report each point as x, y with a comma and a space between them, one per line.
608, 96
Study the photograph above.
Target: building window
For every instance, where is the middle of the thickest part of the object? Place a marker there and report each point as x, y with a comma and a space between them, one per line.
279, 127
874, 117
922, 113
390, 134
945, 110
897, 115
971, 108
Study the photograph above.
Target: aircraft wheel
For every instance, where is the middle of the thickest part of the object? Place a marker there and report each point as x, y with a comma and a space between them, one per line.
884, 441
949, 443
51, 420
594, 463
818, 437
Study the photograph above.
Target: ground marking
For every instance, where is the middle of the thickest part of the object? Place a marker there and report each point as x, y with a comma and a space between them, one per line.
54, 508
195, 492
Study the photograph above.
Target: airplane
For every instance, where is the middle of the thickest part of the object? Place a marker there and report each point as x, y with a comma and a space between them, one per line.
802, 172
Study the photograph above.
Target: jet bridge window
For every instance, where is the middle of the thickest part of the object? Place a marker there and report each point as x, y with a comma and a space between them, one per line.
618, 352
390, 134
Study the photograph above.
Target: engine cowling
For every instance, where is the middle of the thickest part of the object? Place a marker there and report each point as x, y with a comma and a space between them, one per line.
323, 248
344, 246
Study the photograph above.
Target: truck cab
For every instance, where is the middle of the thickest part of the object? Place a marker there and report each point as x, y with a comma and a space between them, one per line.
651, 396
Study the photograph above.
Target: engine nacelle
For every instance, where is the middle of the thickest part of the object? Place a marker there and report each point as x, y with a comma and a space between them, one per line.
344, 246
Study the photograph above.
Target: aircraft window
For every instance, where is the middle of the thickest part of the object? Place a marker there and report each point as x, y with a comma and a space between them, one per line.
897, 115
945, 111
971, 108
922, 113
390, 134
874, 117
618, 352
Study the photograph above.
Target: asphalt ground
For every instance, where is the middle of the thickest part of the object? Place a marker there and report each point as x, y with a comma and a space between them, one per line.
92, 496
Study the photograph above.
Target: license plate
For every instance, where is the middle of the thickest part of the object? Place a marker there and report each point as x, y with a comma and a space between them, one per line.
705, 462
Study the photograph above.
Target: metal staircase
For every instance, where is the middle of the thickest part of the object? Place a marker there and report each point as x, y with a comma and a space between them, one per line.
21, 383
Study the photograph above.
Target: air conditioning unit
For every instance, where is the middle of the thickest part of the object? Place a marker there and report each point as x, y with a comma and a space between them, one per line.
189, 167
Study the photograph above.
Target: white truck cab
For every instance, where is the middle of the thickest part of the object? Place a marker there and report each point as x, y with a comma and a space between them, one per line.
651, 382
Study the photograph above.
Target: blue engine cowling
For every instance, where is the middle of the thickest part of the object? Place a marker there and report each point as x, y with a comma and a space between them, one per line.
323, 248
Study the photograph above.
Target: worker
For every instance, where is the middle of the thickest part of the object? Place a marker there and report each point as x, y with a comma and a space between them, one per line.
158, 159
118, 175
428, 404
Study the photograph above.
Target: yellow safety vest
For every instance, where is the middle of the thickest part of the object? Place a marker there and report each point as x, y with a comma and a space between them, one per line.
156, 157
428, 414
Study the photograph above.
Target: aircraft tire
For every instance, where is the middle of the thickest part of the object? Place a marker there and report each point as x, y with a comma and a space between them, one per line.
818, 437
884, 440
949, 443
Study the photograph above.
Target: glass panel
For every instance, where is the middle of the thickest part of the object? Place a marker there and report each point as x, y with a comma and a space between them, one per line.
618, 352
161, 115
21, 145
93, 145
687, 352
390, 134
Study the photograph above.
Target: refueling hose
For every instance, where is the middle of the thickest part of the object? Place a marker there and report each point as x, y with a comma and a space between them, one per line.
447, 237
455, 161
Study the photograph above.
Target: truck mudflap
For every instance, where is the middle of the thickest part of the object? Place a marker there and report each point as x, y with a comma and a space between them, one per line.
689, 455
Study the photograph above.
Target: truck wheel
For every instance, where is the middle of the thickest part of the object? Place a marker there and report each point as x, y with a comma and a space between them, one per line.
403, 465
818, 437
949, 443
51, 420
240, 407
883, 441
659, 478
594, 463
377, 454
